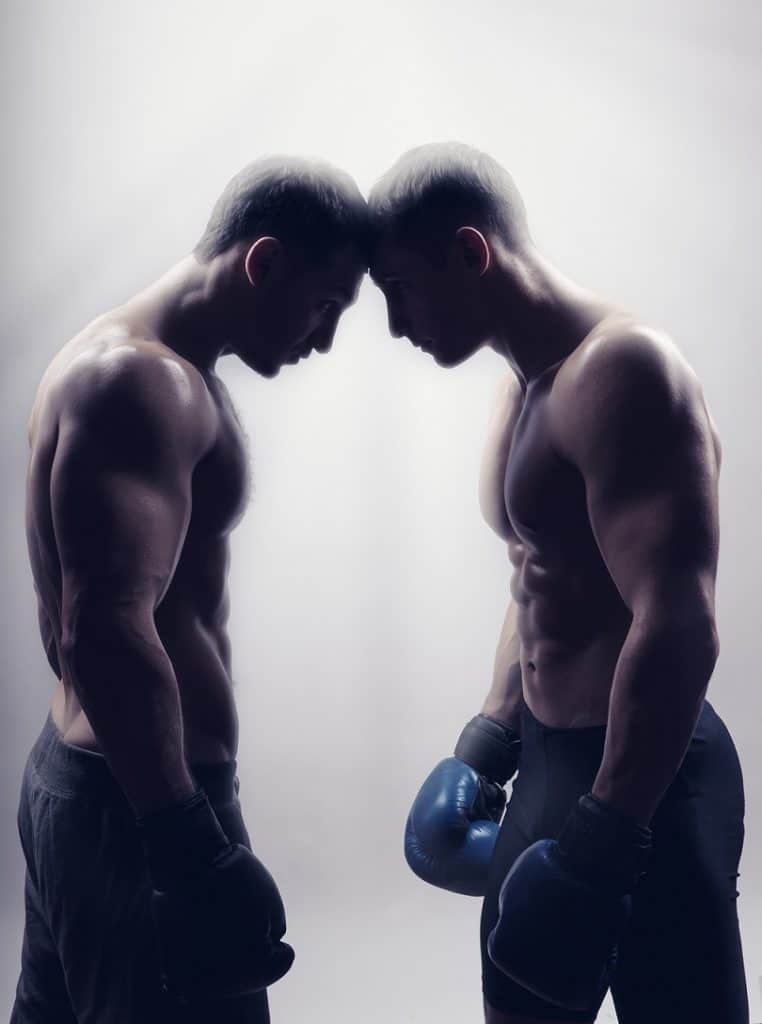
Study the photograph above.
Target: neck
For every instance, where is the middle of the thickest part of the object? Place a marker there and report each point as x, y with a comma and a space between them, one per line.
178, 309
541, 316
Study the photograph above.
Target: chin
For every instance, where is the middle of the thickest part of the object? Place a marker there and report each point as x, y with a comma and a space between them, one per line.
452, 351
449, 360
264, 369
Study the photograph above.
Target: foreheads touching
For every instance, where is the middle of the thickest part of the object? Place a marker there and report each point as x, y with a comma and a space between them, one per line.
289, 240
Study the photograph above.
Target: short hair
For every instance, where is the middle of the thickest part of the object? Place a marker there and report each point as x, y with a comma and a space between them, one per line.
302, 201
435, 188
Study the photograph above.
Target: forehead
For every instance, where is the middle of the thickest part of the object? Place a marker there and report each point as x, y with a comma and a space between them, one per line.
392, 258
342, 268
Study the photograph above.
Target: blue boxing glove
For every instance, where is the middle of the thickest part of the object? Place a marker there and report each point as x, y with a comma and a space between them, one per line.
564, 906
218, 914
453, 824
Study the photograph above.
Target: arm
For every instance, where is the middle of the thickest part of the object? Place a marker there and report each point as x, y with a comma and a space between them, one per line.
121, 490
121, 501
48, 637
636, 426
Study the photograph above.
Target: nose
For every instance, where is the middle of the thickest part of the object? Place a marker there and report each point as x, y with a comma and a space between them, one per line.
398, 326
323, 344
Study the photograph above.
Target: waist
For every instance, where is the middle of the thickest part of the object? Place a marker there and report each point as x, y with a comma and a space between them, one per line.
72, 771
557, 765
210, 721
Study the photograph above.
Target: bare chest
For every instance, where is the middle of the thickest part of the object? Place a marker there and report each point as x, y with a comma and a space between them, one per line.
544, 494
222, 479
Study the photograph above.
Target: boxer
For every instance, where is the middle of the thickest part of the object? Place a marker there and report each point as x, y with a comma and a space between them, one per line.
615, 863
144, 901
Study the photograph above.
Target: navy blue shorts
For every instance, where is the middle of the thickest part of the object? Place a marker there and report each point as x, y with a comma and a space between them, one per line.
89, 955
680, 961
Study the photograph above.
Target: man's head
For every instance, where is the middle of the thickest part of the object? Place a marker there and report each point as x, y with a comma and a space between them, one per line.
440, 219
285, 249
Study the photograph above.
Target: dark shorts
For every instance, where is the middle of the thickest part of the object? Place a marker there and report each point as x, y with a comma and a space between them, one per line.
89, 954
680, 960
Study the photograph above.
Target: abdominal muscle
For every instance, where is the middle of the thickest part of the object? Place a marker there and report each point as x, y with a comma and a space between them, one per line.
571, 626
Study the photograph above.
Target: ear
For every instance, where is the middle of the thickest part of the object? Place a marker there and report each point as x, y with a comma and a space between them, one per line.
474, 249
263, 260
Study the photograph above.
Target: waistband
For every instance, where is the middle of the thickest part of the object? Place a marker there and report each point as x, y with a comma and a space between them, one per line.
540, 741
72, 771
529, 721
590, 733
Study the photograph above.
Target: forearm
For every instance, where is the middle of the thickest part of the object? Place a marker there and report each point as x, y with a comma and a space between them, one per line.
47, 635
49, 643
505, 698
659, 685
52, 655
126, 685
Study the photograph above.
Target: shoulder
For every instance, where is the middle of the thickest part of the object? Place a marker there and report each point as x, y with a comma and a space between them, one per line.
508, 389
121, 396
112, 363
627, 378
628, 357
115, 377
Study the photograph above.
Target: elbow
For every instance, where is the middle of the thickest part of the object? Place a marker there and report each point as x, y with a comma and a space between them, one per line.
78, 646
81, 623
94, 630
688, 639
715, 642
707, 644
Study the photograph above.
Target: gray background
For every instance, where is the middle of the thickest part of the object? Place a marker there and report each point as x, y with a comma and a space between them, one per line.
367, 593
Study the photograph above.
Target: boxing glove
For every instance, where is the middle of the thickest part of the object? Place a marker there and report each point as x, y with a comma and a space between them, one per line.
564, 904
453, 824
218, 914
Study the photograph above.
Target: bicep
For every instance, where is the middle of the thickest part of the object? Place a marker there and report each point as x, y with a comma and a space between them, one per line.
647, 454
658, 536
119, 520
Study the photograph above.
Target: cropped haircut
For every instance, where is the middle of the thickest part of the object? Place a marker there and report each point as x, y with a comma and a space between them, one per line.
305, 202
436, 188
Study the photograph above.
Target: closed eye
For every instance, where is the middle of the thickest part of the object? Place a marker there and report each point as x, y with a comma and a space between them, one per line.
327, 306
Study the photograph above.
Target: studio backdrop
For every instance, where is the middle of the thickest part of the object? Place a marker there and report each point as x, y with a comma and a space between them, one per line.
367, 592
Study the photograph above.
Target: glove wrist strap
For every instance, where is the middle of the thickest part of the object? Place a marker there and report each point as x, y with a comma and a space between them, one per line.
604, 845
490, 748
181, 840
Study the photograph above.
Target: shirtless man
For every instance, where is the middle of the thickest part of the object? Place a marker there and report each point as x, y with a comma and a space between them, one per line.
143, 900
617, 858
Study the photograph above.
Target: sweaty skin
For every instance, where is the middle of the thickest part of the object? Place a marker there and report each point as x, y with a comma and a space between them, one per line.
137, 475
